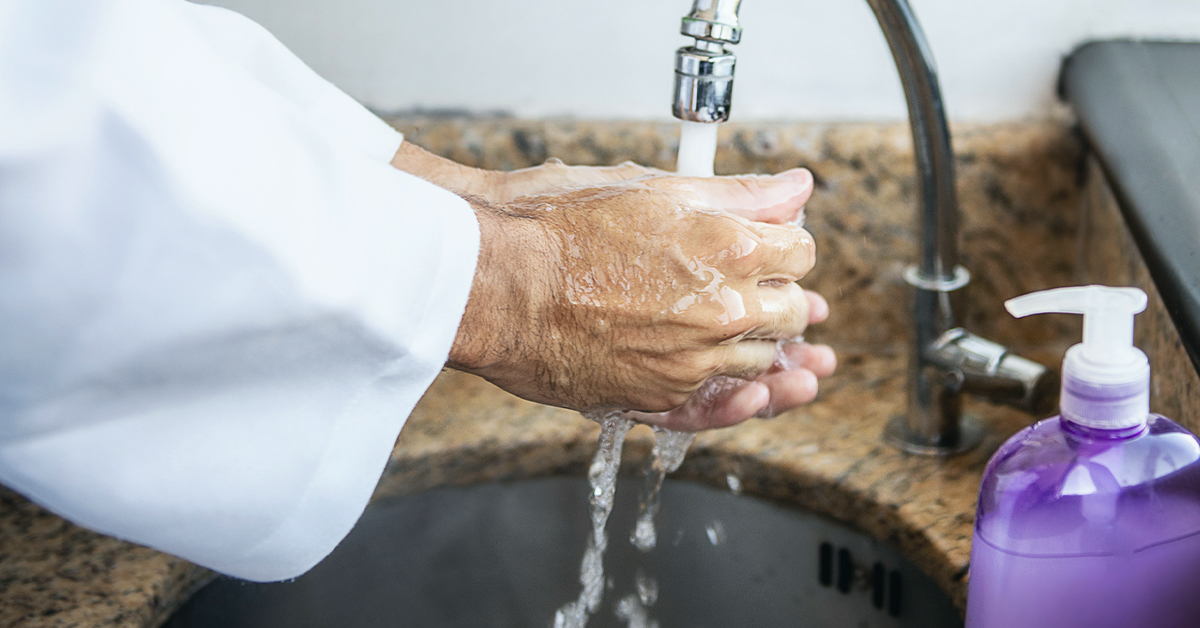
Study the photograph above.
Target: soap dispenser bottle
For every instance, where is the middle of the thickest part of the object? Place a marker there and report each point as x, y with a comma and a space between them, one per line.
1091, 518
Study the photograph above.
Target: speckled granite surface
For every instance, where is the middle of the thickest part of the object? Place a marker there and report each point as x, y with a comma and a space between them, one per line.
1021, 188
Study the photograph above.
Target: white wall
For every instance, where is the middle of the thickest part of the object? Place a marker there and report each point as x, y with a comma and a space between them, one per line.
800, 59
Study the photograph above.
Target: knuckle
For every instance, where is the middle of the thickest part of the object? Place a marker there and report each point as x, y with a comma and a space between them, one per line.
748, 263
808, 250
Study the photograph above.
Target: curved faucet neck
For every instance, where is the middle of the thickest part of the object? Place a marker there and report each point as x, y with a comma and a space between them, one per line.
931, 139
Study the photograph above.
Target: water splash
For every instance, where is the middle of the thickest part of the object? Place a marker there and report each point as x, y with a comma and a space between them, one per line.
715, 532
647, 588
670, 447
635, 614
634, 609
697, 149
783, 362
602, 476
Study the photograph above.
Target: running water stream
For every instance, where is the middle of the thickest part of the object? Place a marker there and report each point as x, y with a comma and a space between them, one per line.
669, 449
697, 148
602, 476
666, 456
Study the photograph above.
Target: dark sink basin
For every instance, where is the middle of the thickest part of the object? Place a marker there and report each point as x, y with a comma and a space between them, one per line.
507, 555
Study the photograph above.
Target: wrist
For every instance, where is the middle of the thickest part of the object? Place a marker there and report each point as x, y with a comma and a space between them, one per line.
506, 294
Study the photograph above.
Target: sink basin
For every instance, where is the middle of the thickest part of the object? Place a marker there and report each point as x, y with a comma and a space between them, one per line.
507, 555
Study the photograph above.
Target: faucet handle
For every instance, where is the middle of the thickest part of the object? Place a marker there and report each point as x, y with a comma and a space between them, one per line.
990, 370
713, 20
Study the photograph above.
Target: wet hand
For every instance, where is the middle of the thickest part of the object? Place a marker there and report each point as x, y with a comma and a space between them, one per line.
791, 382
633, 294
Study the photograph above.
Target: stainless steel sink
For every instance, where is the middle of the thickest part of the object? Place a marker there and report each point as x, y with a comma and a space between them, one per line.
507, 555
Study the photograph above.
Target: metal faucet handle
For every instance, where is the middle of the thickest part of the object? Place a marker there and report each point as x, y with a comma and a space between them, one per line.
713, 20
992, 371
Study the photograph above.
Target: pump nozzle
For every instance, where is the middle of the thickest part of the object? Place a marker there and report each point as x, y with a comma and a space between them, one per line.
1107, 316
1106, 380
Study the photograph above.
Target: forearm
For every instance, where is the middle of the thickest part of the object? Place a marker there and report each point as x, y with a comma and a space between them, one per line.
453, 176
503, 186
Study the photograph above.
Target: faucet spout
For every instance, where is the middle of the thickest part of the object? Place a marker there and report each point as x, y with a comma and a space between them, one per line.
944, 360
704, 70
938, 204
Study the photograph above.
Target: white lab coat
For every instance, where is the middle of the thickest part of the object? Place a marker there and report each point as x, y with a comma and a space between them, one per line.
218, 301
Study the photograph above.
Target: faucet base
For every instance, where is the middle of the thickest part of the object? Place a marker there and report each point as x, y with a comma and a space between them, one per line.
897, 434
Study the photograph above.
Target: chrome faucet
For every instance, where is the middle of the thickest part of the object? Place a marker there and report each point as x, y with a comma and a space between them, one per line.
945, 361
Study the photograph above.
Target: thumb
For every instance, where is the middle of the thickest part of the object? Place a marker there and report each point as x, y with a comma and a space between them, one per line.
776, 198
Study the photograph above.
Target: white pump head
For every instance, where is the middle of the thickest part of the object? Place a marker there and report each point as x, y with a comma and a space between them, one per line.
1106, 380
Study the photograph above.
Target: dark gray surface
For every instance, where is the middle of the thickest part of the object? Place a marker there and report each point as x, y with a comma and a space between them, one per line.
1139, 107
508, 555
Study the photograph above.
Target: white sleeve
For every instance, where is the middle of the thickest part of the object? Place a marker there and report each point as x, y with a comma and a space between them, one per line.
243, 42
215, 313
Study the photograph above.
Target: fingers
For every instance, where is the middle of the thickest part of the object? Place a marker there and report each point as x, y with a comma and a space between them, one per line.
790, 251
722, 403
788, 390
774, 199
747, 359
818, 308
785, 312
819, 359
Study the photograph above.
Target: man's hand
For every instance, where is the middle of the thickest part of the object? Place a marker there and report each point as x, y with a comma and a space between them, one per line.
628, 287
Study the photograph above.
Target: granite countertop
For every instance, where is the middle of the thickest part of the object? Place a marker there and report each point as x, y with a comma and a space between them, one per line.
1021, 193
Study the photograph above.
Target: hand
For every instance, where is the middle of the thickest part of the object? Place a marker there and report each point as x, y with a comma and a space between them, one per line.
791, 381
633, 294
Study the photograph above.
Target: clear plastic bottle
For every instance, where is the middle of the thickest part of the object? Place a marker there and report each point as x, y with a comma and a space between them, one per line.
1091, 518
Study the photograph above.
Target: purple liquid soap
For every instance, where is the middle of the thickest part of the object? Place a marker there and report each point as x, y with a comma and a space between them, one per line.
1081, 528
1091, 518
